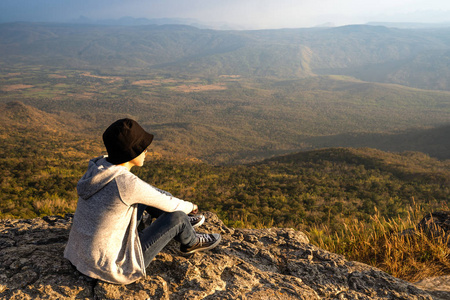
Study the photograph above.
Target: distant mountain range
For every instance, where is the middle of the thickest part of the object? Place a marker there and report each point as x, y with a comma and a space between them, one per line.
412, 57
410, 25
130, 21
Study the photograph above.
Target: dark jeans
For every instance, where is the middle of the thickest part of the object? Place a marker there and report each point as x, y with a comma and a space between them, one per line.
159, 233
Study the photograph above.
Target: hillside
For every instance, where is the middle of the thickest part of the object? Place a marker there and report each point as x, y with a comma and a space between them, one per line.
42, 161
300, 190
41, 155
433, 141
413, 57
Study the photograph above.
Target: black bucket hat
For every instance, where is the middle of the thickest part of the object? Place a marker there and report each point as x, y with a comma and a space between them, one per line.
124, 140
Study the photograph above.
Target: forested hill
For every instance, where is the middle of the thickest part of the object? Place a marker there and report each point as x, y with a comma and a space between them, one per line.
326, 186
43, 158
412, 57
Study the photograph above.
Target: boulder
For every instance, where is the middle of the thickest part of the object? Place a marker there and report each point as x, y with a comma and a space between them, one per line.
274, 263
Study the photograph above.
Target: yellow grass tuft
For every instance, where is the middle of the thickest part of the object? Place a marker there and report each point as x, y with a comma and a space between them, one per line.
53, 206
396, 246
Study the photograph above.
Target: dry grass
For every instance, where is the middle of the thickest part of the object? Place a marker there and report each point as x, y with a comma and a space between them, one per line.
56, 76
15, 87
54, 206
154, 82
110, 78
397, 247
230, 77
85, 95
199, 88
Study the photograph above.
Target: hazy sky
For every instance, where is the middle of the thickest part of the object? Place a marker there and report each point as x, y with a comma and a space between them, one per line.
251, 14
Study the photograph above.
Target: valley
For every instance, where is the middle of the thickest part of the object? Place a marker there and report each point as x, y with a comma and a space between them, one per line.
231, 119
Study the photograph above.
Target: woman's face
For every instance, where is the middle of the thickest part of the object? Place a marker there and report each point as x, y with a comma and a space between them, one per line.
139, 160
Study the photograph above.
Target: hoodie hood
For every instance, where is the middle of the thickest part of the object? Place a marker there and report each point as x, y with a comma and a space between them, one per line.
99, 173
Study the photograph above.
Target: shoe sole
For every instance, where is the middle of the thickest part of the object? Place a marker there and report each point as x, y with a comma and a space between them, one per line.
199, 223
203, 249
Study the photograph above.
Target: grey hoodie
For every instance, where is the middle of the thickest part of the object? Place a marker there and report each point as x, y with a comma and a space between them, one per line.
103, 241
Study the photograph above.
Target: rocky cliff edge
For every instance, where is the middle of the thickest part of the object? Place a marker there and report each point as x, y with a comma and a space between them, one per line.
270, 263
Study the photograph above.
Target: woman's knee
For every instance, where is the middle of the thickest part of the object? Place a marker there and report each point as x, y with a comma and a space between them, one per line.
177, 217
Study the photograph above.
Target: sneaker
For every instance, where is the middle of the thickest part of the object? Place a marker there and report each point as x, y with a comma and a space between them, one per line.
196, 220
204, 242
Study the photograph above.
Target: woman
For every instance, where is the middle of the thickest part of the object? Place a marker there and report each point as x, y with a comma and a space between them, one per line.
104, 242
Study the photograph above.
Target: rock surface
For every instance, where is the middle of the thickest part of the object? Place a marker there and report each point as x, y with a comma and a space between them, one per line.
439, 287
249, 264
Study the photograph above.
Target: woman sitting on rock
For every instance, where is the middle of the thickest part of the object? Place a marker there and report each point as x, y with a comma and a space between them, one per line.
104, 242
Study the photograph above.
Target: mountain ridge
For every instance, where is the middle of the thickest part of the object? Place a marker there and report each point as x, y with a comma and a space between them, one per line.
283, 53
18, 114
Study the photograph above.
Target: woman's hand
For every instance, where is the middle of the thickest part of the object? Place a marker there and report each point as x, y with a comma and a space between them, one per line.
195, 209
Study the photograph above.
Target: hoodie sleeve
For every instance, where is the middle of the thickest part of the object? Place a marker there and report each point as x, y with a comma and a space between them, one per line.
134, 190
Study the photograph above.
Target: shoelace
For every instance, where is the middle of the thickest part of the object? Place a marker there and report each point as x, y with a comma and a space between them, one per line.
205, 238
193, 218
